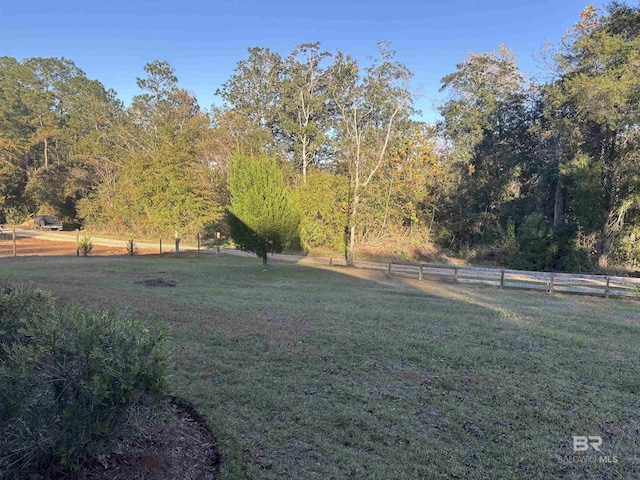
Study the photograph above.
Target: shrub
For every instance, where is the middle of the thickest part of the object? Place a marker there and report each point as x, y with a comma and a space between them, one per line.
543, 249
15, 212
132, 248
18, 308
71, 380
323, 204
85, 245
262, 217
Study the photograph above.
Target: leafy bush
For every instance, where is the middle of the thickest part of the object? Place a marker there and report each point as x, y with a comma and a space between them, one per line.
85, 245
17, 310
323, 204
542, 249
71, 380
16, 214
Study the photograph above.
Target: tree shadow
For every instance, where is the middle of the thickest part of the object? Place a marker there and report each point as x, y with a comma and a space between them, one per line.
273, 236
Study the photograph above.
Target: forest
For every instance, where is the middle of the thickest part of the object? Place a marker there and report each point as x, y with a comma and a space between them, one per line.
529, 175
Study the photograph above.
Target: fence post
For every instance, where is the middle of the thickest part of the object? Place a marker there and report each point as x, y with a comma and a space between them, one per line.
501, 278
420, 274
77, 242
455, 274
551, 284
331, 261
606, 289
160, 245
389, 274
14, 241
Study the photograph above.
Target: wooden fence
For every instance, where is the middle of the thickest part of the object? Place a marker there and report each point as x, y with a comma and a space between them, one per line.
596, 285
600, 285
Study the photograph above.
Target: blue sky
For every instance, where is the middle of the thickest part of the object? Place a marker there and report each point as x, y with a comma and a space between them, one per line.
111, 40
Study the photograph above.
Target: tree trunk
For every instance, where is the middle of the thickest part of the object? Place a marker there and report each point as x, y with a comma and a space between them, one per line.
304, 161
352, 243
177, 238
558, 209
603, 254
46, 154
352, 228
264, 262
604, 247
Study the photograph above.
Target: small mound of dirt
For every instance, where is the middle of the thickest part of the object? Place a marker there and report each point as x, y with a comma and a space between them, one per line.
157, 282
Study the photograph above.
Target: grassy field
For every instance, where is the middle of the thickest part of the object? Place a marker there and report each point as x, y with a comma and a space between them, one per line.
340, 373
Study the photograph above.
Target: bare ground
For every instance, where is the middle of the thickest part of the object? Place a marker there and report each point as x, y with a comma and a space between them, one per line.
180, 446
35, 247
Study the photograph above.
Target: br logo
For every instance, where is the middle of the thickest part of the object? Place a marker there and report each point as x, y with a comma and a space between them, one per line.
582, 444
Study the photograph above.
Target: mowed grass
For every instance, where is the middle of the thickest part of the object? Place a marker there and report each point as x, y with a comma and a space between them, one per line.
341, 373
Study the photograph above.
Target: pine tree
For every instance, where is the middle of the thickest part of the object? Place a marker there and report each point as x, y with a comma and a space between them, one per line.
262, 218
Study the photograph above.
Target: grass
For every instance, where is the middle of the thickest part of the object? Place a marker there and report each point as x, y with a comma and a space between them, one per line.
340, 373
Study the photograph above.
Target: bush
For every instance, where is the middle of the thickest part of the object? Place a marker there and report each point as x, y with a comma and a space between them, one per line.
71, 380
323, 204
542, 249
85, 245
16, 214
18, 308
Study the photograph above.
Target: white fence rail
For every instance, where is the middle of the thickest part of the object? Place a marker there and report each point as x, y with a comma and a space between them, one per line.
601, 285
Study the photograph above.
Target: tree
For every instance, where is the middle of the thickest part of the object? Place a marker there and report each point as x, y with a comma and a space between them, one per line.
160, 180
43, 83
486, 120
255, 87
597, 100
262, 217
368, 109
410, 181
303, 107
52, 117
285, 100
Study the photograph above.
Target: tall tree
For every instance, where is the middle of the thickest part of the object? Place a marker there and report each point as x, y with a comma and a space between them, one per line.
52, 117
487, 121
368, 108
254, 88
598, 96
262, 218
43, 83
303, 108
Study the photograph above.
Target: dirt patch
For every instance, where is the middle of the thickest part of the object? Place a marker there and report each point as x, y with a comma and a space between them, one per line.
178, 447
35, 247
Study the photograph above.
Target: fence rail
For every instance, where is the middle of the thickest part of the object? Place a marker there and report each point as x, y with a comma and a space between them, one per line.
601, 285
595, 285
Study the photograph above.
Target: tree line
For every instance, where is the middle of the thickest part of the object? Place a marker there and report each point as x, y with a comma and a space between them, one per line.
527, 174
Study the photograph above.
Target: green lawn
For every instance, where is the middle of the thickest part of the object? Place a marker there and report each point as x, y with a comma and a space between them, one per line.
340, 373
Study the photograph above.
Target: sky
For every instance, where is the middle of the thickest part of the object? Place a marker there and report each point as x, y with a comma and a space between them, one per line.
112, 40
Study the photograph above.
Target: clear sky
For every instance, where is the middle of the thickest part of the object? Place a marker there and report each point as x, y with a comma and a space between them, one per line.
111, 40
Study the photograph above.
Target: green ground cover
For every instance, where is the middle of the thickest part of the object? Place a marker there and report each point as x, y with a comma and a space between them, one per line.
340, 373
